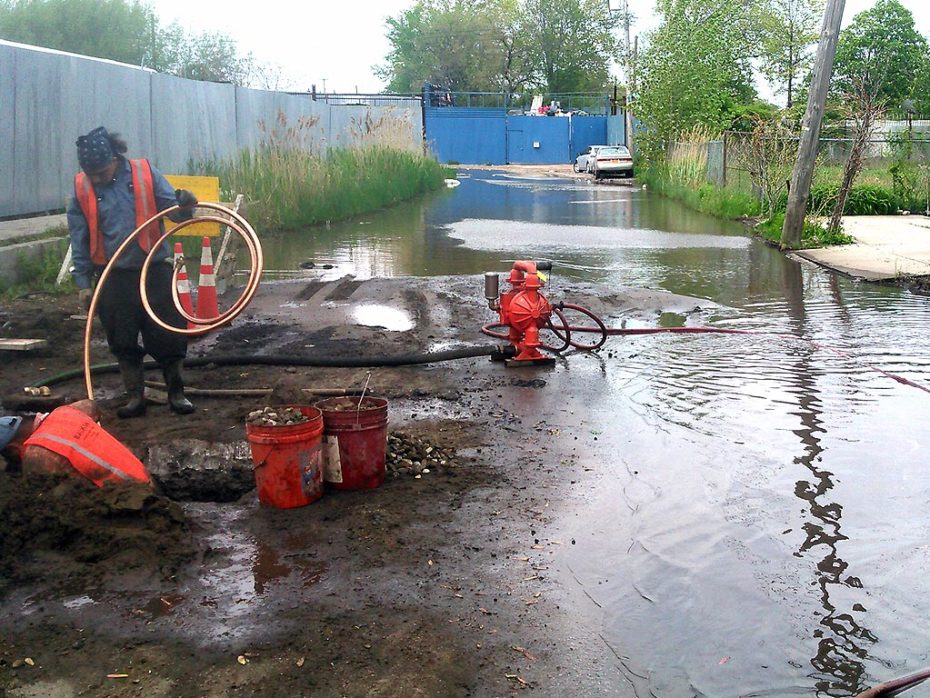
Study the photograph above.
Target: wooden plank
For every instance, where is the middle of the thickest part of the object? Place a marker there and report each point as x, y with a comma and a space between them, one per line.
65, 268
23, 344
221, 262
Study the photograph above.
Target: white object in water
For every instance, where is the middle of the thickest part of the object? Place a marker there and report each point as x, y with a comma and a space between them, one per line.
452, 183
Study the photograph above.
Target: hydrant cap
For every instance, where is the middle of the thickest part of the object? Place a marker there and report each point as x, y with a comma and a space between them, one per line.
8, 429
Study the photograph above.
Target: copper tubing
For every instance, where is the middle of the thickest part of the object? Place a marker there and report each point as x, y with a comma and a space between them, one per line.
234, 222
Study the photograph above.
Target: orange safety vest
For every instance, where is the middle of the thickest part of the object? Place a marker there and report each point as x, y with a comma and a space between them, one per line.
92, 451
145, 208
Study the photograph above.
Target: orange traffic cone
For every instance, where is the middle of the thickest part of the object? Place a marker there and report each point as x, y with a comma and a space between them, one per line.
184, 284
207, 304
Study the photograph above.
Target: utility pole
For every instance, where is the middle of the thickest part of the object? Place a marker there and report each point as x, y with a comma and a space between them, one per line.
628, 69
632, 81
810, 127
629, 62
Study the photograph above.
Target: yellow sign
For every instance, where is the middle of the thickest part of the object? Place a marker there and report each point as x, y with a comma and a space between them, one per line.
205, 189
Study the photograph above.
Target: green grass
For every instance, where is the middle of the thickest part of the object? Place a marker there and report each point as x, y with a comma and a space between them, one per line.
38, 273
289, 188
55, 231
813, 234
684, 179
723, 202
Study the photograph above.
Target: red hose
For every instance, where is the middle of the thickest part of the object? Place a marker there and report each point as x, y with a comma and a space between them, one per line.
896, 686
564, 327
616, 331
566, 340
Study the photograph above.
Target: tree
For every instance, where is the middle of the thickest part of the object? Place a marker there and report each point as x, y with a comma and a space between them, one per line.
880, 52
694, 69
789, 31
574, 42
877, 58
501, 45
456, 44
116, 29
209, 56
129, 32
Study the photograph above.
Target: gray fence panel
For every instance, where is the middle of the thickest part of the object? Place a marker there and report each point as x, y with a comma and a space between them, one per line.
191, 121
49, 98
54, 98
9, 172
716, 165
264, 117
100, 93
616, 130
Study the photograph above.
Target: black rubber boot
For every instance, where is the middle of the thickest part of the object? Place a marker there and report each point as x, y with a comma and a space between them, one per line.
176, 400
134, 382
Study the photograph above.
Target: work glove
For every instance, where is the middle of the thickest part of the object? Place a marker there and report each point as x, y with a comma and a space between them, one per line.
84, 296
186, 198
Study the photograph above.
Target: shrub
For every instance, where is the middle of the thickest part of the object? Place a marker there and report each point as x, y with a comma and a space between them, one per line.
863, 200
812, 235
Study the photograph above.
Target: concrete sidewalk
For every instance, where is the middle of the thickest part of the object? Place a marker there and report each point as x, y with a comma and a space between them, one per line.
886, 248
18, 244
13, 231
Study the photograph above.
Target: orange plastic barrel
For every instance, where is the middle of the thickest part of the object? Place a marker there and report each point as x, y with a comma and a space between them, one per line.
288, 460
355, 442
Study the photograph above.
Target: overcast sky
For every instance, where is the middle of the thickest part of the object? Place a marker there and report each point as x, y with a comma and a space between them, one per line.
337, 43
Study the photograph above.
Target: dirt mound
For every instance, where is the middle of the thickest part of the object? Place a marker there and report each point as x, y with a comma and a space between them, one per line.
84, 530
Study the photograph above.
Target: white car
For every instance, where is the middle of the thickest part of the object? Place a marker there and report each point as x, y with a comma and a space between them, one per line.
612, 161
585, 160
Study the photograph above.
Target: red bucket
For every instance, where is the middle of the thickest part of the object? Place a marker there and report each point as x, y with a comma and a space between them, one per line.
355, 442
288, 460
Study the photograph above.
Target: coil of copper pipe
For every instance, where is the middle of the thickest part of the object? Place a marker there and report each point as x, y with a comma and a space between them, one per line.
234, 222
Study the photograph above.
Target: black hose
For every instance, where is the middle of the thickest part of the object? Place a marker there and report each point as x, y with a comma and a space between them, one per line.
492, 350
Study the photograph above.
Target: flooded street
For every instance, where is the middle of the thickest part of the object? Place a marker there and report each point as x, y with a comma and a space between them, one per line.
753, 521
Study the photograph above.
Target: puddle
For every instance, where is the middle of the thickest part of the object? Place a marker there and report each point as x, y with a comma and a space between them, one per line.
78, 602
162, 605
391, 319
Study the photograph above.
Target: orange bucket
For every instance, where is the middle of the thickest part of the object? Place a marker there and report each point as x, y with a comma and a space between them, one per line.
355, 437
288, 460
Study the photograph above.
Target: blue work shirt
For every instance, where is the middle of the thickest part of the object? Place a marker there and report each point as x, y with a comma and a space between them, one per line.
116, 210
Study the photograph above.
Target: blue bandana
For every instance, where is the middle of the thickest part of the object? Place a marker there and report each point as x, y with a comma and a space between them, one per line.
94, 150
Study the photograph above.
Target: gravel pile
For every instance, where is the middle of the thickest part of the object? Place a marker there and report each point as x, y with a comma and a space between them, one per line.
276, 417
411, 455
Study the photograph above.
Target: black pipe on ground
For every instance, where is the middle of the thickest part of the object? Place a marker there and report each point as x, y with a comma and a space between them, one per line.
493, 350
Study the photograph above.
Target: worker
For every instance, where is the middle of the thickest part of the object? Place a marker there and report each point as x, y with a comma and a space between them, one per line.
112, 196
69, 440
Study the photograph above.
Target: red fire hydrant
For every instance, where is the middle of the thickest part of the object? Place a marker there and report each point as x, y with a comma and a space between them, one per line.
523, 308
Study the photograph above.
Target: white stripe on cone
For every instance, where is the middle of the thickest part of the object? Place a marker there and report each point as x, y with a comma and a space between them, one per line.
207, 306
184, 285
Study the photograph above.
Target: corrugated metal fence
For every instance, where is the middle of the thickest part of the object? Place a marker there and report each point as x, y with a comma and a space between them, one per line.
49, 98
491, 136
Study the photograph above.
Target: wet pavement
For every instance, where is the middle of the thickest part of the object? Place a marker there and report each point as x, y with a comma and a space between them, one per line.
682, 515
753, 513
886, 248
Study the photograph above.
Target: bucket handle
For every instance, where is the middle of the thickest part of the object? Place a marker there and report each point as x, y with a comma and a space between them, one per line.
358, 407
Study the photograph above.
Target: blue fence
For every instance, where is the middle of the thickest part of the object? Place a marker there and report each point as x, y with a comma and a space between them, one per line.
488, 136
468, 136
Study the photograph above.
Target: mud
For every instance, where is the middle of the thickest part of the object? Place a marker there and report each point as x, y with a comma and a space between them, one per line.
438, 585
60, 528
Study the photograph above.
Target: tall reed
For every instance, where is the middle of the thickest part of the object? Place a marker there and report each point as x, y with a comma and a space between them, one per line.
290, 180
683, 176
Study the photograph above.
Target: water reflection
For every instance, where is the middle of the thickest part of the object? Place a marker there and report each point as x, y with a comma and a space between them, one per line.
842, 643
375, 315
771, 433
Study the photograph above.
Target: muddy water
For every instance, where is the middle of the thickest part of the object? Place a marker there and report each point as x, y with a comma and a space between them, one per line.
754, 518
